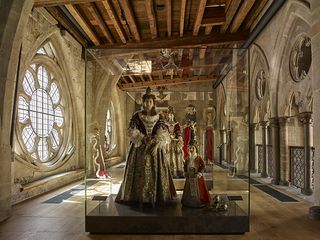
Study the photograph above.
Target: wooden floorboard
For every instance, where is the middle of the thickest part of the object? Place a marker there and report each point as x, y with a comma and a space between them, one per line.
270, 219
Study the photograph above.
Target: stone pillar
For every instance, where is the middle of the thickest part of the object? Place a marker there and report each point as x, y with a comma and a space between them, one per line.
315, 48
223, 136
274, 124
13, 19
253, 162
264, 126
306, 119
284, 151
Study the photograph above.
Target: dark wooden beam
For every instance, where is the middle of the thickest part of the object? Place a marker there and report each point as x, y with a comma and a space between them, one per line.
130, 19
104, 28
231, 11
255, 13
213, 21
83, 24
241, 15
152, 18
169, 17
182, 15
215, 3
174, 81
214, 16
55, 12
186, 41
199, 16
114, 19
52, 3
131, 78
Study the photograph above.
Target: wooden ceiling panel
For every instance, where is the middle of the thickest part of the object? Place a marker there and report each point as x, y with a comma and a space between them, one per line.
67, 25
138, 27
53, 3
149, 8
242, 13
254, 13
115, 19
231, 11
83, 22
130, 19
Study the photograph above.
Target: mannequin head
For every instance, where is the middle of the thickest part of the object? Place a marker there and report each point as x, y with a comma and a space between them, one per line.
149, 102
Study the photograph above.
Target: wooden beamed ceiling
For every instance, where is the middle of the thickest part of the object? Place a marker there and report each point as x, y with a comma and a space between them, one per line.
150, 24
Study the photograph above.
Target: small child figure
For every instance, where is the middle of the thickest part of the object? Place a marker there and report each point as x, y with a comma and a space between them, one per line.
195, 193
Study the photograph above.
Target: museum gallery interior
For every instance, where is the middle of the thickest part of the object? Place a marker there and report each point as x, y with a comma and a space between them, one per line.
180, 119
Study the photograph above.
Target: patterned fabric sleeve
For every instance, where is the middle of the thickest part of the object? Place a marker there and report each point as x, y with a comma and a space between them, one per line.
177, 130
134, 133
162, 137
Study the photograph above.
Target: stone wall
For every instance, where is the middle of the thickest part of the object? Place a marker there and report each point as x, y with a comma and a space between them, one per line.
13, 19
40, 29
315, 6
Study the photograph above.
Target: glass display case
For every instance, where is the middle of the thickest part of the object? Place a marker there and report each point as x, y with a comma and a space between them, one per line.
167, 141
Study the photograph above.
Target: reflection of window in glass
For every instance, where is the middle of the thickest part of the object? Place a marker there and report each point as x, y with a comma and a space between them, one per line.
110, 141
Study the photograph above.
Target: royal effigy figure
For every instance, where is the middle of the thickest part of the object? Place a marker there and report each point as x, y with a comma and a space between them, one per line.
147, 178
189, 128
195, 192
209, 138
175, 147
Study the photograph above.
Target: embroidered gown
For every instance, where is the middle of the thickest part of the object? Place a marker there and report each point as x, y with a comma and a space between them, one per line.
147, 177
195, 192
175, 151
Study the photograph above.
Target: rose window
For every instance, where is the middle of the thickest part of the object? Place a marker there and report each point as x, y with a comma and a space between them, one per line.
40, 113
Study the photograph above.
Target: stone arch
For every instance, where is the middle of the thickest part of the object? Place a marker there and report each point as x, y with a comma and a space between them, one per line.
260, 64
297, 16
61, 70
12, 23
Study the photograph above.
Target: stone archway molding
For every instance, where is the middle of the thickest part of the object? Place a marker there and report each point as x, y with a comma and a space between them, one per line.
13, 19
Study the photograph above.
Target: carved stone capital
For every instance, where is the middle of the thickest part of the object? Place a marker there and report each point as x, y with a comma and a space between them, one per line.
274, 122
306, 117
283, 121
264, 124
253, 126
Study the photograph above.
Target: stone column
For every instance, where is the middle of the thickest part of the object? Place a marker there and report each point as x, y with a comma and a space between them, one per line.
315, 39
306, 119
274, 124
14, 16
223, 137
253, 162
284, 151
264, 126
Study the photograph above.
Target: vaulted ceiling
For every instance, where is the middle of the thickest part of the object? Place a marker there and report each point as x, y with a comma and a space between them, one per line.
149, 24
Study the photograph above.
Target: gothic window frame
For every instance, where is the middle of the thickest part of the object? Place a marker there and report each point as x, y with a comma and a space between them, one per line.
57, 135
300, 49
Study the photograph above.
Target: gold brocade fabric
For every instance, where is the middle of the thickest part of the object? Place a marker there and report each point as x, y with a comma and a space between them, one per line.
147, 178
